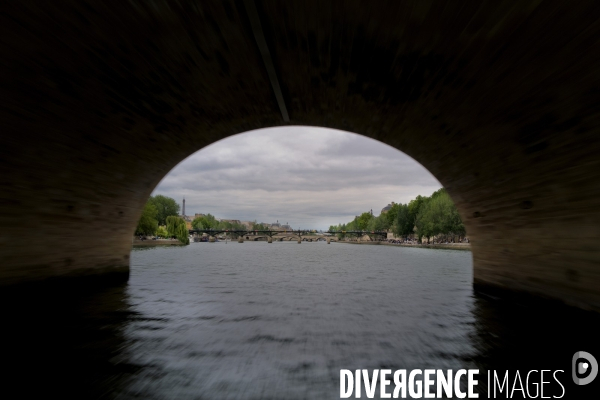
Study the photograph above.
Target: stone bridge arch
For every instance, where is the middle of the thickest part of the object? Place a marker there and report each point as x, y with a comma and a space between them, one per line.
500, 103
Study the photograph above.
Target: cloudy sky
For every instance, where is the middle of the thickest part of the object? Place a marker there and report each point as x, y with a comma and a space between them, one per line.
309, 177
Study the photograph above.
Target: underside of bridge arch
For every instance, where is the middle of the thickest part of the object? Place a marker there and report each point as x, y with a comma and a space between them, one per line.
499, 100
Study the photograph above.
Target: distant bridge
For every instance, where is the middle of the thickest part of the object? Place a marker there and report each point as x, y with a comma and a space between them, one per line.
301, 234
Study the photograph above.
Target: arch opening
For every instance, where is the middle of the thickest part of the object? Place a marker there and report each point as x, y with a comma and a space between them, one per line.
295, 178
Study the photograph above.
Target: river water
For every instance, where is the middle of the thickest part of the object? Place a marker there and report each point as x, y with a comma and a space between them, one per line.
279, 321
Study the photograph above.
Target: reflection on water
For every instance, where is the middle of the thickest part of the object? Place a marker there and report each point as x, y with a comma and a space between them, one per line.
261, 321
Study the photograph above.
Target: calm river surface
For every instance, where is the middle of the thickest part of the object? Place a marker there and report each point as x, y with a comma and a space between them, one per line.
279, 321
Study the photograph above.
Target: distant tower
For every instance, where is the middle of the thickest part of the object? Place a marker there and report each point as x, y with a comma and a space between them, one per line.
183, 211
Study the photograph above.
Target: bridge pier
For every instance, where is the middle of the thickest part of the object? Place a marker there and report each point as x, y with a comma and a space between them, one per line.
211, 239
299, 241
241, 239
328, 240
270, 240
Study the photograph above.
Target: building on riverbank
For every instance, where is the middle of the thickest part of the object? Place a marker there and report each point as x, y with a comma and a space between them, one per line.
276, 226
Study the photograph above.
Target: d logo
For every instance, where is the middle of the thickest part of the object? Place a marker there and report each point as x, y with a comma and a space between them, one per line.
590, 364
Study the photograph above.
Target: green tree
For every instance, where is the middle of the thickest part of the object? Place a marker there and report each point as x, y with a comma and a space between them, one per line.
405, 222
176, 227
147, 224
206, 222
339, 228
182, 233
225, 225
450, 223
424, 220
162, 232
438, 215
237, 227
353, 225
415, 205
165, 206
425, 216
197, 224
392, 215
379, 223
259, 227
362, 222
210, 222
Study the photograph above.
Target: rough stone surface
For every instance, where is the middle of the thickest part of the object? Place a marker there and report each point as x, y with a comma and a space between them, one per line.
499, 100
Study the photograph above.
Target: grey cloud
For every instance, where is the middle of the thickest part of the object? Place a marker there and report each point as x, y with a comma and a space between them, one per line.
306, 176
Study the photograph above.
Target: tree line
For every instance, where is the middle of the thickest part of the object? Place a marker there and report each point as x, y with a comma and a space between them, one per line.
422, 217
208, 221
160, 217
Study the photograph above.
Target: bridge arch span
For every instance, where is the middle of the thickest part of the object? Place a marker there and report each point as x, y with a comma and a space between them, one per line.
499, 104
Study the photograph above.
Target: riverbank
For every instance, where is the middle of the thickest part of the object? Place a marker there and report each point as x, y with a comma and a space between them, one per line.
451, 246
157, 242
